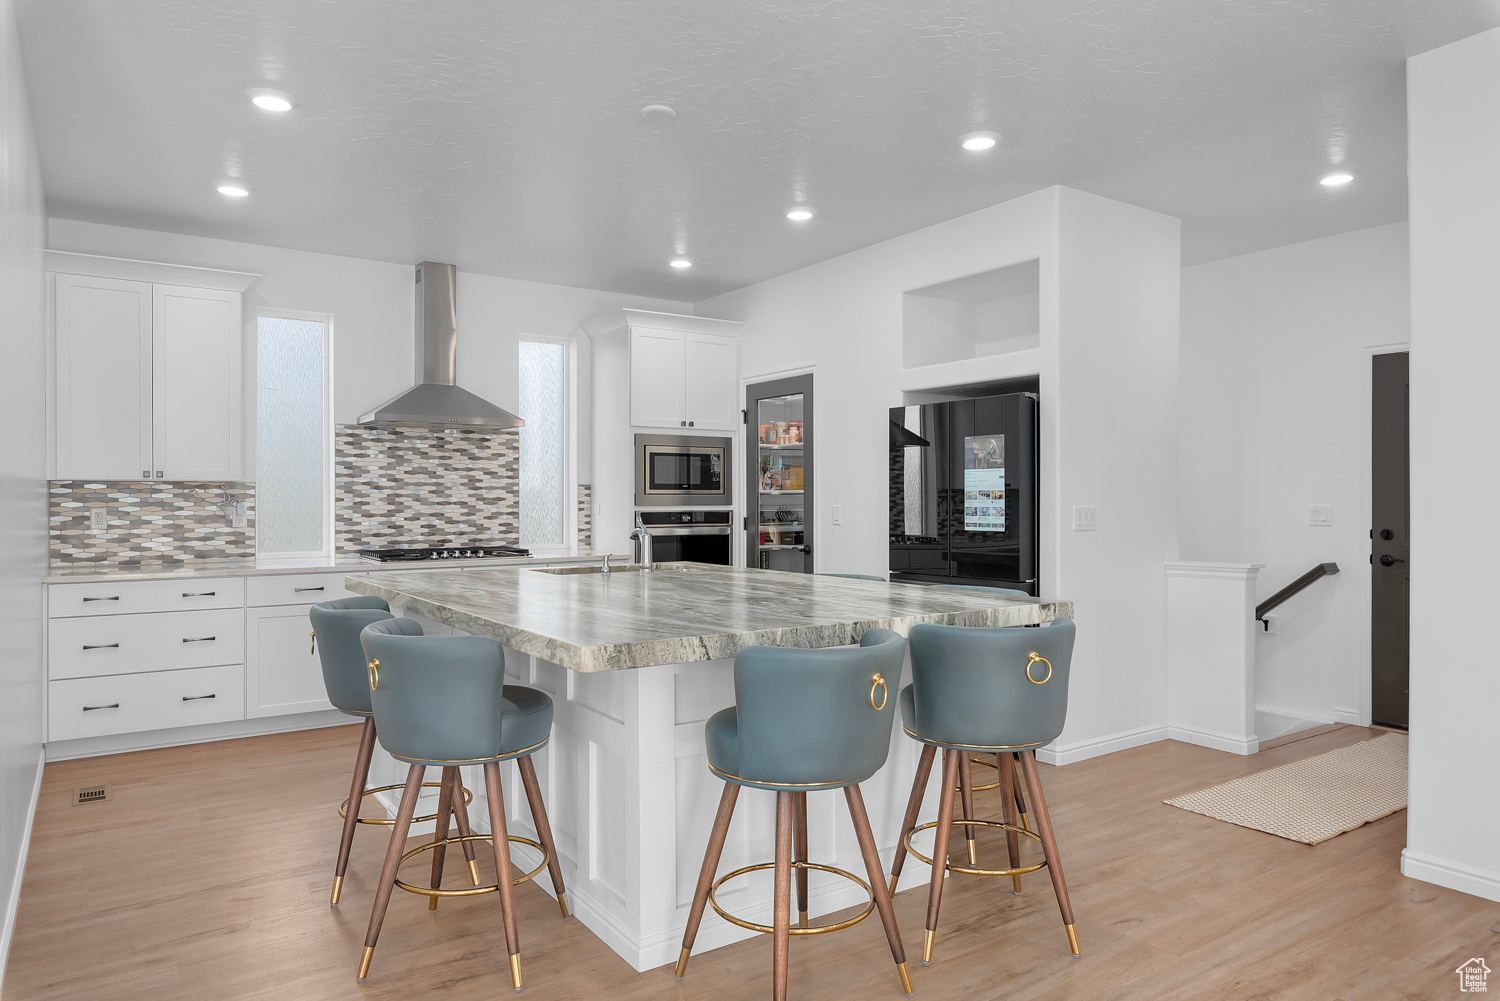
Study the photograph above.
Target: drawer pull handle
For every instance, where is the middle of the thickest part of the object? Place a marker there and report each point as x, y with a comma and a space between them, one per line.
114, 598
112, 705
199, 594
199, 639
195, 698
101, 646
299, 590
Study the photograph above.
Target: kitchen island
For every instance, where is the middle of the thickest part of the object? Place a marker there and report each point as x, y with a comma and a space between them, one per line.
635, 663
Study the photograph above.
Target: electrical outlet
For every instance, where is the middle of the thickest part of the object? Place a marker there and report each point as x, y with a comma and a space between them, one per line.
1083, 518
98, 519
836, 512
241, 515
1320, 516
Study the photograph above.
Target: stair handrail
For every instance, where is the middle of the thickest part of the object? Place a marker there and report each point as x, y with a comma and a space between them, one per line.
1295, 587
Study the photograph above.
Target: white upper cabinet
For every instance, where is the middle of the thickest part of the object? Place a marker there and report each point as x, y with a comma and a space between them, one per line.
711, 381
657, 364
103, 371
196, 383
147, 373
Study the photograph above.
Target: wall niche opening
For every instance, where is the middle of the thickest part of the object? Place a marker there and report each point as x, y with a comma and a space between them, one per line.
991, 313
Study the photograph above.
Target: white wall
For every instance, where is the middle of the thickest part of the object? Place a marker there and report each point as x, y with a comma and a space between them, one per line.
1275, 419
372, 307
23, 495
1454, 138
1109, 279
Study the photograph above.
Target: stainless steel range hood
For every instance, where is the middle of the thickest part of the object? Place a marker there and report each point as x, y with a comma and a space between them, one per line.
436, 400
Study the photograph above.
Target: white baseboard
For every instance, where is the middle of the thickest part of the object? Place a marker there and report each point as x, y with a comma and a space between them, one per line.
1344, 714
90, 747
1066, 754
1453, 875
14, 903
1212, 738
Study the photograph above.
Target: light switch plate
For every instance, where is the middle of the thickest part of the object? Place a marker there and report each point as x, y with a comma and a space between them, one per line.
836, 513
1321, 516
1083, 518
98, 519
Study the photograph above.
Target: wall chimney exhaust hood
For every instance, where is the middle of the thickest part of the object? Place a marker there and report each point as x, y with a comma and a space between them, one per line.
436, 400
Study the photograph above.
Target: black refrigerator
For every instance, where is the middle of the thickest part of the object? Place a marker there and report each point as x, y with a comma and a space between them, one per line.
963, 501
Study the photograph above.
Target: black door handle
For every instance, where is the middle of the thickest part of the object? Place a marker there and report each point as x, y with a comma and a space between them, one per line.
1388, 560
806, 550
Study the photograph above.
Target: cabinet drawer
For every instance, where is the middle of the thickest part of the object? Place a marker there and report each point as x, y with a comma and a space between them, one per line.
295, 589
93, 707
94, 645
104, 598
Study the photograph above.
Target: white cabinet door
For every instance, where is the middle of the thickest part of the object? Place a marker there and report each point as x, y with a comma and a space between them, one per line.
282, 672
103, 373
656, 370
196, 383
712, 382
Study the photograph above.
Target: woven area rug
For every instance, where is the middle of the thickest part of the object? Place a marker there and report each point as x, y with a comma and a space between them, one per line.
1314, 799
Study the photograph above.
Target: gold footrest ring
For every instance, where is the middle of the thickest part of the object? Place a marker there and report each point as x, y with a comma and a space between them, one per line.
469, 891
970, 870
795, 929
344, 806
986, 762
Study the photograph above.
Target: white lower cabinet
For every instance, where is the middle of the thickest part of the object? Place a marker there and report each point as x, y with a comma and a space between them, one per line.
95, 645
282, 671
125, 703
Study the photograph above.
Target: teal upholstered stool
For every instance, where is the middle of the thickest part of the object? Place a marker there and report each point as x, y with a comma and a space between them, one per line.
802, 720
442, 701
979, 691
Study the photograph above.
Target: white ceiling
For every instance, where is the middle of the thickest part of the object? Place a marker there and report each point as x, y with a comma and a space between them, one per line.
505, 136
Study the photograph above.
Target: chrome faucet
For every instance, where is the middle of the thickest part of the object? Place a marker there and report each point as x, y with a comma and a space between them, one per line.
605, 568
642, 535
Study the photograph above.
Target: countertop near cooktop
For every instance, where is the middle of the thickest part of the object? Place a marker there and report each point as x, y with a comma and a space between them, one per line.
85, 573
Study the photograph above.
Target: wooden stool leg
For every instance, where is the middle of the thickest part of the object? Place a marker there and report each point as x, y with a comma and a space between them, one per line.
461, 817
392, 862
1049, 845
966, 793
543, 830
1020, 796
940, 852
1007, 768
500, 837
440, 832
706, 874
356, 800
782, 897
913, 808
872, 867
799, 852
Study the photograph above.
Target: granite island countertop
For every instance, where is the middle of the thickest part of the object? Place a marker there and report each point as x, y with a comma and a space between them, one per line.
683, 612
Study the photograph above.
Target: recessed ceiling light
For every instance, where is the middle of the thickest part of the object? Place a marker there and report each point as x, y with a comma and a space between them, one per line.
681, 262
232, 190
1336, 179
658, 113
272, 100
799, 213
977, 142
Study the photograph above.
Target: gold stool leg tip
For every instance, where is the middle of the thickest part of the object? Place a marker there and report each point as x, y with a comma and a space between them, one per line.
338, 889
906, 980
515, 971
474, 872
364, 963
562, 903
895, 877
431, 903
1073, 940
682, 959
927, 939
1015, 881
801, 919
973, 855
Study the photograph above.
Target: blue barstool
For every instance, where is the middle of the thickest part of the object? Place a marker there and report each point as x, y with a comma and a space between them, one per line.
802, 720
983, 690
336, 626
442, 700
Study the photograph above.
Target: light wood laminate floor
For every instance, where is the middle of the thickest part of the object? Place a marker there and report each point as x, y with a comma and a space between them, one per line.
207, 876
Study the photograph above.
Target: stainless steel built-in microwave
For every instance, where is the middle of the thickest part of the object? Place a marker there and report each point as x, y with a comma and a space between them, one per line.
675, 469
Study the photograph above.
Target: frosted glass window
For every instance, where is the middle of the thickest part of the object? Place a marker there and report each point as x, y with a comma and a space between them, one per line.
543, 443
289, 475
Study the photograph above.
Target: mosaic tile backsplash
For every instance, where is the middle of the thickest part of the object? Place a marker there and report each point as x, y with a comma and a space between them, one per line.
585, 519
171, 524
413, 486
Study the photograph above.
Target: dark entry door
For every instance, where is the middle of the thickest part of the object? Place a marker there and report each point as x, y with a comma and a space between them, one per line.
1390, 589
779, 475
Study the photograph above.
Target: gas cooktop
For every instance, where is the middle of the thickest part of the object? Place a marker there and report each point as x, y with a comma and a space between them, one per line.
440, 553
